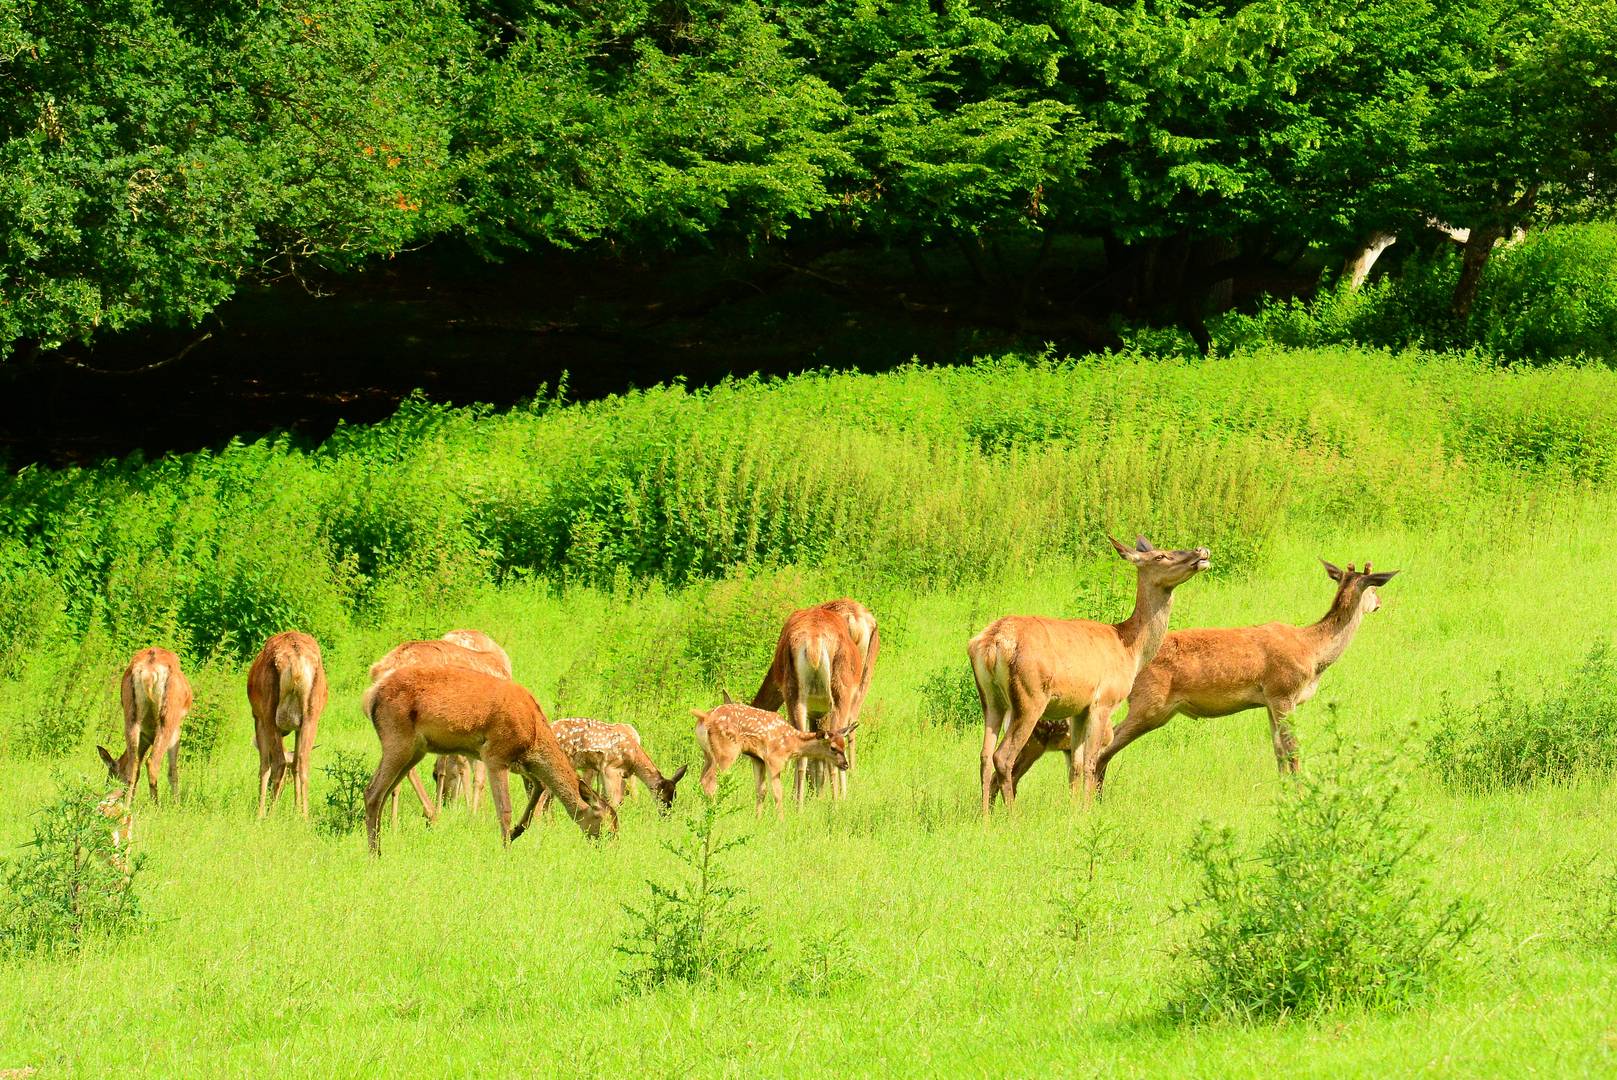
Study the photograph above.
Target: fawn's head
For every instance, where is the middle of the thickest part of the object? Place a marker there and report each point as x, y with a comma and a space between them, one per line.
1164, 569
832, 746
665, 788
597, 812
1357, 588
115, 767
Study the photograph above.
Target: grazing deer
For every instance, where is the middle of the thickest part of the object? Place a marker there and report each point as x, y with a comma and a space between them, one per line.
286, 688
1030, 668
821, 673
469, 649
608, 754
156, 697
451, 710
457, 775
732, 730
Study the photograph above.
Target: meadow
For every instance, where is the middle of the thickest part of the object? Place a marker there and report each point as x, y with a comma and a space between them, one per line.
635, 557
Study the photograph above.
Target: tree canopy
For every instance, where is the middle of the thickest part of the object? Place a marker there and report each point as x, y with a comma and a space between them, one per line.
155, 154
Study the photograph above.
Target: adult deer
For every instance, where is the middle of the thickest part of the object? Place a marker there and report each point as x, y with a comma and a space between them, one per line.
286, 689
1220, 672
450, 710
821, 673
1028, 668
469, 649
607, 755
156, 697
731, 730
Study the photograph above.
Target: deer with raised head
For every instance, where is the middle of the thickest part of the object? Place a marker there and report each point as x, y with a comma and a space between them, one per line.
1030, 668
286, 689
821, 672
156, 697
451, 710
733, 730
1276, 666
469, 649
607, 755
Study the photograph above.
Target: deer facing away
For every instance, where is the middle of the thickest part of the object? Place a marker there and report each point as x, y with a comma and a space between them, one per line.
155, 697
607, 755
1029, 668
733, 730
450, 710
821, 672
286, 688
1219, 672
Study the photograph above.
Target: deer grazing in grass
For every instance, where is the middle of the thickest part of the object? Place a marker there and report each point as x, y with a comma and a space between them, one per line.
1029, 668
156, 697
821, 673
469, 649
732, 730
286, 688
607, 755
1219, 672
452, 710
456, 776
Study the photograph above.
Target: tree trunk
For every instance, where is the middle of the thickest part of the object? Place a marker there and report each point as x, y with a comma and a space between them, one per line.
1357, 267
1478, 248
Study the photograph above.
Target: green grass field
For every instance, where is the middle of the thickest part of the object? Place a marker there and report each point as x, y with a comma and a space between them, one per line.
1039, 943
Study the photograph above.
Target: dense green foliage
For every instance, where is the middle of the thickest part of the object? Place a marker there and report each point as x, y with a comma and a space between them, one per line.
1330, 910
153, 153
902, 478
72, 883
1551, 294
1562, 730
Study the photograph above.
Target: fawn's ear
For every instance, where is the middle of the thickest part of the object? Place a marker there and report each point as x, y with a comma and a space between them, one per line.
728, 700
111, 762
678, 775
699, 714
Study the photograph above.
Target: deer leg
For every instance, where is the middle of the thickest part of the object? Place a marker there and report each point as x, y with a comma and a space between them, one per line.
993, 720
428, 807
499, 787
1144, 717
780, 794
759, 780
1078, 756
479, 782
797, 712
1097, 737
303, 750
1024, 713
267, 757
534, 793
151, 770
1285, 743
383, 783
174, 767
613, 781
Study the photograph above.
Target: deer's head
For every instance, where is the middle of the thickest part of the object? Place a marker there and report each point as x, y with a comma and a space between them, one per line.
1357, 588
596, 813
665, 788
833, 745
1164, 569
115, 767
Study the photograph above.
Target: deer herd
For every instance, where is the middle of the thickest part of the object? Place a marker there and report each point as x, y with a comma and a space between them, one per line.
1044, 684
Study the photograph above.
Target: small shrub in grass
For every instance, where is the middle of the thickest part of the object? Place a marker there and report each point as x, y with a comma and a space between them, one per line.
1330, 910
1551, 733
1587, 905
825, 965
949, 697
70, 883
344, 808
79, 694
699, 928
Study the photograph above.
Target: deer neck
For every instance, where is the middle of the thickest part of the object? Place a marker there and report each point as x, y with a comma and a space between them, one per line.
1142, 632
640, 763
1334, 633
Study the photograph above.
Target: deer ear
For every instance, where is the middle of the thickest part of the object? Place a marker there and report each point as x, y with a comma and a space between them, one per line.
1124, 550
699, 714
849, 729
1382, 578
1332, 571
111, 762
679, 775
1142, 544
728, 700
